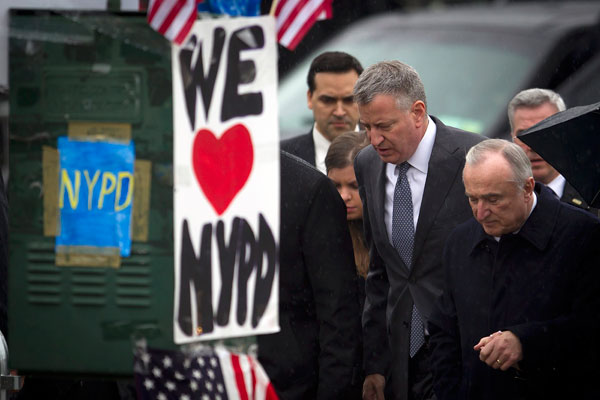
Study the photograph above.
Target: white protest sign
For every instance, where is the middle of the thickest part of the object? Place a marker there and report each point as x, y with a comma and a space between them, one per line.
226, 194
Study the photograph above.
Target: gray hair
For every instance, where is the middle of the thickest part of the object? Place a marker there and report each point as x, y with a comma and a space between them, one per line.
516, 157
392, 78
535, 97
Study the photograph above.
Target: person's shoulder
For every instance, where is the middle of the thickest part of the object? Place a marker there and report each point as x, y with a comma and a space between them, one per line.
463, 238
566, 217
366, 155
364, 162
295, 170
464, 138
466, 229
302, 185
577, 216
577, 228
302, 146
297, 141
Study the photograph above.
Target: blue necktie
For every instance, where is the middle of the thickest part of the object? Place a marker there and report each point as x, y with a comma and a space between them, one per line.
403, 237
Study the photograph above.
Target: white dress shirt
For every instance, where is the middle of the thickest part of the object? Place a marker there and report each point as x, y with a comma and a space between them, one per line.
416, 174
558, 185
321, 147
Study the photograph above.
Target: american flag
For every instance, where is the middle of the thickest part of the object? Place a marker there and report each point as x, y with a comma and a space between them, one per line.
172, 18
296, 17
207, 375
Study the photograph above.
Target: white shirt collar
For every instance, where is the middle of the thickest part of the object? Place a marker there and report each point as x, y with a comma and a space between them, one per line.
421, 156
558, 185
321, 147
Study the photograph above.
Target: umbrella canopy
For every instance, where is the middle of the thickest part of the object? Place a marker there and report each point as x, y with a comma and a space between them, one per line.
570, 142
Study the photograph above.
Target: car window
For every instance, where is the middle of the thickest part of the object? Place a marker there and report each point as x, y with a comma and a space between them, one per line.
468, 76
583, 87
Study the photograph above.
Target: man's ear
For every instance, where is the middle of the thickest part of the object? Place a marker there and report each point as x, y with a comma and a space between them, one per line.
529, 185
309, 99
419, 113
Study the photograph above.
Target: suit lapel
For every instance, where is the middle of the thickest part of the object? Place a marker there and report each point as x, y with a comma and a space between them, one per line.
441, 173
380, 181
309, 149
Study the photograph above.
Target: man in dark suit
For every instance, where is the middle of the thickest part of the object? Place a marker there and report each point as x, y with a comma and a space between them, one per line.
521, 289
331, 77
316, 355
413, 196
526, 109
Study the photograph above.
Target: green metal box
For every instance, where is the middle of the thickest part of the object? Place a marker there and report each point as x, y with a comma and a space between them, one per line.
97, 70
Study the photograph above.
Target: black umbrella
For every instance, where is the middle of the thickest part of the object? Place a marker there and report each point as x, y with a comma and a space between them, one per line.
570, 142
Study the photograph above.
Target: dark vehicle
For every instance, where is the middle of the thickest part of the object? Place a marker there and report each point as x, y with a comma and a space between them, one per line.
472, 59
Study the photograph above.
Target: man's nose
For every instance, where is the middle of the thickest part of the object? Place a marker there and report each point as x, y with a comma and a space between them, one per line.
339, 109
482, 210
374, 137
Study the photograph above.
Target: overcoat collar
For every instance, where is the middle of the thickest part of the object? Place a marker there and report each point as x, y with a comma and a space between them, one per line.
538, 228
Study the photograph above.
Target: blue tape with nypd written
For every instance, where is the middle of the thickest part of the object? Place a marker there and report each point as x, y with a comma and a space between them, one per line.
95, 194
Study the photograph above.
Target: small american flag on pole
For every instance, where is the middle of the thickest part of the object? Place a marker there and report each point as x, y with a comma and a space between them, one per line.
172, 18
207, 374
296, 17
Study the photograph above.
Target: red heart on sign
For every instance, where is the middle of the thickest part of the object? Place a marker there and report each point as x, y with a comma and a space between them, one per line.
222, 166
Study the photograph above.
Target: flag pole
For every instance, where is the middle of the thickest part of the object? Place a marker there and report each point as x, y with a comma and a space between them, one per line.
273, 8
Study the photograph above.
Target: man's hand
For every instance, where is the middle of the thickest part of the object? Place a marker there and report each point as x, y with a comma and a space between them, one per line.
500, 350
373, 387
